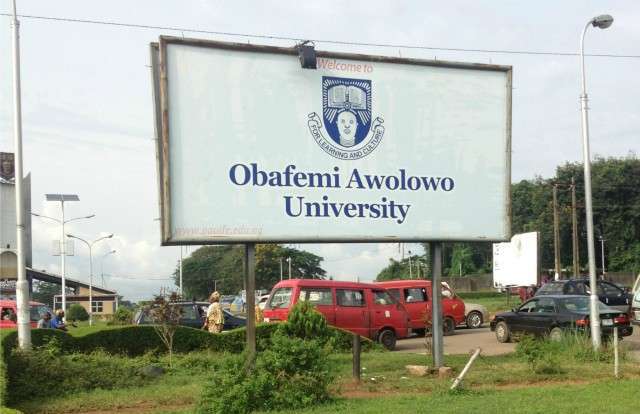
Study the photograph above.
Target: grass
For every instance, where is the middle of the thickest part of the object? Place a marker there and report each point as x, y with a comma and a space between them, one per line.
384, 382
496, 303
603, 397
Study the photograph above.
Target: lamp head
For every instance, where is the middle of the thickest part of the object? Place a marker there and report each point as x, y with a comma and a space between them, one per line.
603, 21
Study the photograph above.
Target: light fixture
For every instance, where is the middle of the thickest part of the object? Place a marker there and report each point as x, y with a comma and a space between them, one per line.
603, 21
307, 55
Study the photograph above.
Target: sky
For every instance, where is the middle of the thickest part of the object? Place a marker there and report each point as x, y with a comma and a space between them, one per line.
88, 120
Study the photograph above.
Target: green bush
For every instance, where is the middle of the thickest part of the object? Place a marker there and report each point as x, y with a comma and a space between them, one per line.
293, 373
305, 322
77, 313
545, 356
30, 373
122, 316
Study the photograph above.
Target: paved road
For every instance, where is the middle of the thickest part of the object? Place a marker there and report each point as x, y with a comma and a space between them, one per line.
465, 340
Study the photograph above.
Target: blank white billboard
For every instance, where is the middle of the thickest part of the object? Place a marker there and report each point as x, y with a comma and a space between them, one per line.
253, 148
517, 263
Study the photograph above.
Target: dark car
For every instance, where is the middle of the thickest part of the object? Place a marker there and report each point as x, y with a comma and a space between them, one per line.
193, 314
552, 315
609, 293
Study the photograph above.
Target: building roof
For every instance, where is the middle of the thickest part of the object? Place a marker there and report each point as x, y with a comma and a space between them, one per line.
57, 279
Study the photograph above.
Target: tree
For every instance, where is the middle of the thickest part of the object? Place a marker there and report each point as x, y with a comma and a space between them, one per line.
409, 268
224, 265
166, 318
77, 313
45, 291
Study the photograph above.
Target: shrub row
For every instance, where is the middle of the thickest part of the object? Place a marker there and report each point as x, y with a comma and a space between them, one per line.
139, 340
45, 369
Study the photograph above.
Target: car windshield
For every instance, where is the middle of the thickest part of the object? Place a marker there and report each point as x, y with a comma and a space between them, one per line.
281, 298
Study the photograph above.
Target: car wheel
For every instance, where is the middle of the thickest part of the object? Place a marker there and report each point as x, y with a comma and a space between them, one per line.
448, 326
503, 333
474, 320
388, 339
556, 334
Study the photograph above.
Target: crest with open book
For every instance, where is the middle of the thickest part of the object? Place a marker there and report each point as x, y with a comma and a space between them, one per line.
346, 106
346, 117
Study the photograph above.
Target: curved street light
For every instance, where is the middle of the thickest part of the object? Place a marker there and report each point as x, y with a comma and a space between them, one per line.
603, 21
90, 246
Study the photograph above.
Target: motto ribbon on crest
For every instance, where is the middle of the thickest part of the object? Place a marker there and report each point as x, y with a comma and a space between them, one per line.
364, 148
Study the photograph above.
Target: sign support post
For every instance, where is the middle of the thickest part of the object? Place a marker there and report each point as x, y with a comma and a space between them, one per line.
436, 308
250, 283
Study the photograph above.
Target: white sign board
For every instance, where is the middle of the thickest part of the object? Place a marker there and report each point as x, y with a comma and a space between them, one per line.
516, 263
253, 148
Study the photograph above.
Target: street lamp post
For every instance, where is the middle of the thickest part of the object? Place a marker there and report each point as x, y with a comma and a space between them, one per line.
289, 261
22, 285
90, 246
63, 250
602, 21
102, 265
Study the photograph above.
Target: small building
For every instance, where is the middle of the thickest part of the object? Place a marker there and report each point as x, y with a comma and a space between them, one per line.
104, 303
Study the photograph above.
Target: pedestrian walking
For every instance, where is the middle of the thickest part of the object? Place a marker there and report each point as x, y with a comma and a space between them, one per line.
215, 317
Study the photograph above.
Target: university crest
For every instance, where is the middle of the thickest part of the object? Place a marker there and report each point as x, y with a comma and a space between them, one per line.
347, 119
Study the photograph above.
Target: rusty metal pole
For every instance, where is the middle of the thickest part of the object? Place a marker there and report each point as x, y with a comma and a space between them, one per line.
250, 283
437, 349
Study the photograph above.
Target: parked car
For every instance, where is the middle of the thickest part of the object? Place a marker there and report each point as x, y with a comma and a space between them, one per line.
365, 309
635, 303
416, 296
9, 313
226, 300
475, 315
608, 293
237, 305
553, 315
193, 314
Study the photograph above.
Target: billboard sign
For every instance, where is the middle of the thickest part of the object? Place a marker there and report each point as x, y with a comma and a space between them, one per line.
517, 263
253, 148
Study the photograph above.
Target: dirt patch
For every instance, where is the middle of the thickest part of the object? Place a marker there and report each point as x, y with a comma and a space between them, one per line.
141, 408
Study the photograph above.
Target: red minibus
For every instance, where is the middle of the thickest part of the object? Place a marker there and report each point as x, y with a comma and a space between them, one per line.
363, 308
416, 294
9, 313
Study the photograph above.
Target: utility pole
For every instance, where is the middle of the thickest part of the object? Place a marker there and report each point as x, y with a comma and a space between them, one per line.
602, 240
22, 285
410, 266
281, 269
289, 260
556, 233
574, 221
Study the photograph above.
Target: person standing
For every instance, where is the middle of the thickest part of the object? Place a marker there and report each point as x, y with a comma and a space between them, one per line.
58, 321
45, 321
215, 317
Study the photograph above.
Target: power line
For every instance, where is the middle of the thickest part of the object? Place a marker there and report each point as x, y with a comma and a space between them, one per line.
328, 41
